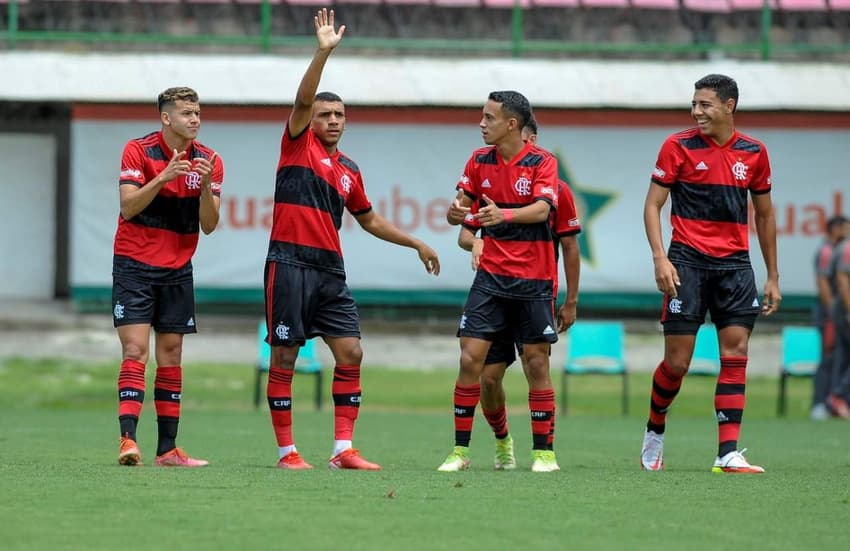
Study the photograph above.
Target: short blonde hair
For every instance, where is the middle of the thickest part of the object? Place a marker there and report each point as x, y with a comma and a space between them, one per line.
168, 97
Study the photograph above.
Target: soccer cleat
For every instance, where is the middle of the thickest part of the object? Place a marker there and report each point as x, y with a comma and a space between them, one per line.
543, 461
456, 461
178, 458
351, 459
820, 412
128, 453
652, 453
293, 461
505, 460
734, 462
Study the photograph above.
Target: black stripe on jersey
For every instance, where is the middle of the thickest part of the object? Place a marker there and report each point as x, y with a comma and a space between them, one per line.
297, 185
683, 254
132, 183
359, 212
531, 159
567, 233
694, 142
513, 287
177, 214
711, 202
488, 158
348, 163
746, 145
519, 232
302, 255
155, 153
660, 183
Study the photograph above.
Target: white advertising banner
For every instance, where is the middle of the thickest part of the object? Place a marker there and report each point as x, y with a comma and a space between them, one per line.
410, 171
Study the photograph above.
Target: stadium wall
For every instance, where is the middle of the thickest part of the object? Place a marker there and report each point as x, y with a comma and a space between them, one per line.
412, 150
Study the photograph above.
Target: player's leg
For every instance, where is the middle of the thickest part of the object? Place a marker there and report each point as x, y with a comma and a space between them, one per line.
499, 357
823, 375
536, 322
284, 296
734, 308
482, 320
840, 368
681, 317
337, 320
174, 317
132, 311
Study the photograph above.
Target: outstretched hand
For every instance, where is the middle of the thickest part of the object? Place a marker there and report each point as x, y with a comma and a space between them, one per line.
429, 258
177, 166
326, 35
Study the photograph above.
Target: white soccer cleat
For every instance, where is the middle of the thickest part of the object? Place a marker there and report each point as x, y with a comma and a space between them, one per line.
652, 452
735, 462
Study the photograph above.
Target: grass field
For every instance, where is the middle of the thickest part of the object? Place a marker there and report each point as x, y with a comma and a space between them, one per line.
62, 489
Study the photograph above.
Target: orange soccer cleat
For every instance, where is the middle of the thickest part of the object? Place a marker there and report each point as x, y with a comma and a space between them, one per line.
293, 461
178, 458
351, 459
128, 453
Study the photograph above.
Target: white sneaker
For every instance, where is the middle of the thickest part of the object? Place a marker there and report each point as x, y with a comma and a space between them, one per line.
652, 453
819, 412
735, 462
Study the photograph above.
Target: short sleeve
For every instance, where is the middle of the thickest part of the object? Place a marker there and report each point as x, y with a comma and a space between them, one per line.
668, 164
566, 218
760, 182
357, 201
217, 178
545, 184
468, 181
133, 165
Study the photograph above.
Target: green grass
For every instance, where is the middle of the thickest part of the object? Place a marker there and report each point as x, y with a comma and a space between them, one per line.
62, 489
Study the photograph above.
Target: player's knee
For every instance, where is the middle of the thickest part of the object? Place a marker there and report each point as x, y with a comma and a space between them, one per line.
136, 351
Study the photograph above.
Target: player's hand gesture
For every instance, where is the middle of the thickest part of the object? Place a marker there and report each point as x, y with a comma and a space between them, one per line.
429, 258
326, 35
490, 215
666, 277
457, 212
177, 166
205, 167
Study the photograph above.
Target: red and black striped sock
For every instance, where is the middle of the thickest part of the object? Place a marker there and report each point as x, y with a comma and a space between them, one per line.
665, 387
729, 402
541, 404
498, 420
279, 395
346, 394
131, 396
167, 389
466, 398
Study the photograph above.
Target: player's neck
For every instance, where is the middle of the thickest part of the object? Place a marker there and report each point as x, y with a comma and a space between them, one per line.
510, 147
173, 141
723, 135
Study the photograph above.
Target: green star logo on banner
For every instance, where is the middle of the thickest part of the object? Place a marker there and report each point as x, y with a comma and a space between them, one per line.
589, 204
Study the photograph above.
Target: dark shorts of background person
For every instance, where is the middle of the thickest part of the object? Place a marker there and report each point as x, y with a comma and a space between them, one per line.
730, 296
490, 318
163, 298
302, 303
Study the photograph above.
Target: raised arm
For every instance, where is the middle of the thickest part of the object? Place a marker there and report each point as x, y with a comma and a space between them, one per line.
327, 38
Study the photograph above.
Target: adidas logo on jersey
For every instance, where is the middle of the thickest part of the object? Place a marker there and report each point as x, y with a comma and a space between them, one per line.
755, 302
548, 330
485, 183
702, 166
326, 161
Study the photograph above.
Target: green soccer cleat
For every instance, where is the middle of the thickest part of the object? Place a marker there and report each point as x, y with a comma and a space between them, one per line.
543, 461
505, 460
456, 461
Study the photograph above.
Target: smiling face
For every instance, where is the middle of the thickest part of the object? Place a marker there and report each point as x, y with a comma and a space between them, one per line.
328, 122
182, 119
712, 115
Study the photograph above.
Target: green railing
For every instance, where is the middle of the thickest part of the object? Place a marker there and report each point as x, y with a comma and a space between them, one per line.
517, 46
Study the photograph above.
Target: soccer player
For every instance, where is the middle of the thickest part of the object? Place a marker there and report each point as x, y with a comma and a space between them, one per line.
836, 227
565, 227
708, 171
840, 384
515, 183
306, 294
170, 186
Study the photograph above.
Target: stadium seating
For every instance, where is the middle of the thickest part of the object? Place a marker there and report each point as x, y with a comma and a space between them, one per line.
596, 348
307, 362
801, 354
706, 358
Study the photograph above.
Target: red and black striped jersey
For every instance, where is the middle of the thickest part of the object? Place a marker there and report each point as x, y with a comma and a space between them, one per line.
165, 233
708, 187
839, 263
311, 190
517, 261
823, 258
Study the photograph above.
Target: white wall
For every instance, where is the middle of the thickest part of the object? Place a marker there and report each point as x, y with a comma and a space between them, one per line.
27, 215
